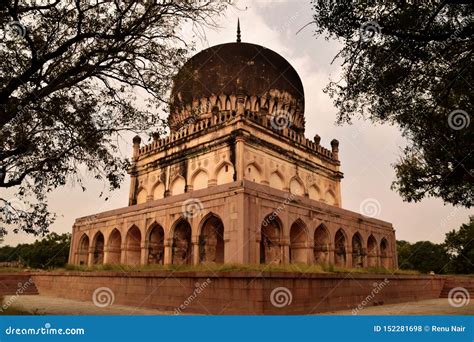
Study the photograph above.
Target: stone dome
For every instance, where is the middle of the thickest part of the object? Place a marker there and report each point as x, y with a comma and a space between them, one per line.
213, 80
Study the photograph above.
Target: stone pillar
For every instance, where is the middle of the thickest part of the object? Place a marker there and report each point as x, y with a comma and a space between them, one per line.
90, 256
106, 254
348, 257
239, 158
123, 254
285, 253
143, 253
331, 254
168, 258
195, 252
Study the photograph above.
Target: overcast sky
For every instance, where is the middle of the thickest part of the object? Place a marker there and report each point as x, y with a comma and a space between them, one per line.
366, 151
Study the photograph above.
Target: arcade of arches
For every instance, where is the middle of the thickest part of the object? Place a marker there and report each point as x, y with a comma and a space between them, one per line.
319, 245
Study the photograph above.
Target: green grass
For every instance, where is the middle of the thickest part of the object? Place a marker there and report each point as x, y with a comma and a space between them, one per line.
298, 268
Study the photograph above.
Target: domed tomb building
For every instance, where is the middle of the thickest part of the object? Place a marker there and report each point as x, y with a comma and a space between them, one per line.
236, 180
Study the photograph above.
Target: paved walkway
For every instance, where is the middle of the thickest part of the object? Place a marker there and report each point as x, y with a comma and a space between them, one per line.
439, 306
44, 305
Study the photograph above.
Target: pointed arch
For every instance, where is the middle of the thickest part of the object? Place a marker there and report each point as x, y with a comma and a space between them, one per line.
177, 185
371, 251
357, 251
224, 173
277, 180
298, 242
296, 186
321, 245
340, 241
133, 241
253, 172
211, 239
114, 247
200, 179
270, 240
314, 192
181, 245
83, 250
141, 195
158, 190
98, 248
155, 244
330, 198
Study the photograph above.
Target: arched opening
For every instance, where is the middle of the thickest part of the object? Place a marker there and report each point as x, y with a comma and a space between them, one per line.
114, 247
200, 180
276, 181
177, 186
182, 247
340, 248
371, 252
159, 191
253, 174
98, 249
357, 251
141, 196
225, 174
298, 243
321, 245
384, 257
270, 241
296, 187
83, 251
314, 193
156, 245
132, 246
211, 241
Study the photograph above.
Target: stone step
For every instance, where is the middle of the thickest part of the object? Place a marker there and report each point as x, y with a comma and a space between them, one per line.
17, 284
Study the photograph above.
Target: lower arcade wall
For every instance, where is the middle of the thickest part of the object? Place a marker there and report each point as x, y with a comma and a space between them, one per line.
279, 293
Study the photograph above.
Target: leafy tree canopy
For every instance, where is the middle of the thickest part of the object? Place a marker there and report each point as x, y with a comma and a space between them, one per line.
410, 64
76, 74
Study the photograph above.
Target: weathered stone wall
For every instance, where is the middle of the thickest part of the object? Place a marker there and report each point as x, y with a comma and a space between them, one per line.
242, 292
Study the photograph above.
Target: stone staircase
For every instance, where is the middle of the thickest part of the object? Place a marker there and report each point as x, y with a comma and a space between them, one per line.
17, 284
454, 282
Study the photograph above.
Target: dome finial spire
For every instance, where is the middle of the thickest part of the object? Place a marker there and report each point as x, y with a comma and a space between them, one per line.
238, 30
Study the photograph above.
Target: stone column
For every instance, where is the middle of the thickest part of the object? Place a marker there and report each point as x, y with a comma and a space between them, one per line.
123, 254
349, 257
168, 257
195, 252
331, 252
90, 256
285, 256
143, 253
239, 158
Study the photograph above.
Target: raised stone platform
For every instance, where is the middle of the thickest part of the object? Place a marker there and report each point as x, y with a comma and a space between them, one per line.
256, 293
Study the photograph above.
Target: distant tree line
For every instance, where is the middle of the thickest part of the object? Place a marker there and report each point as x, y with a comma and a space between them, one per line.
454, 255
50, 252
